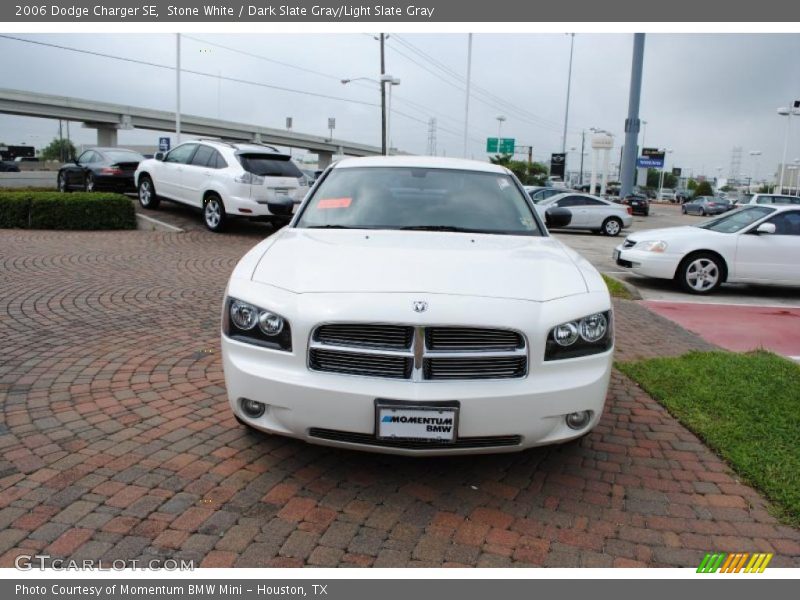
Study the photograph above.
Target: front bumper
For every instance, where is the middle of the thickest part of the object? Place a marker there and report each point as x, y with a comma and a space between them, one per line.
339, 410
649, 264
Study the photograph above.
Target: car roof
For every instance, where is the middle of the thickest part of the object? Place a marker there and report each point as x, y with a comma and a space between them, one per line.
422, 162
580, 194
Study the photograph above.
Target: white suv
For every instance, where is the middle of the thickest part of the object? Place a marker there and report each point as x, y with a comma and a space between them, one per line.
773, 199
225, 180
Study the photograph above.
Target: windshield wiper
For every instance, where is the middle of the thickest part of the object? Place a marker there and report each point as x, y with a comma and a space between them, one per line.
445, 228
330, 227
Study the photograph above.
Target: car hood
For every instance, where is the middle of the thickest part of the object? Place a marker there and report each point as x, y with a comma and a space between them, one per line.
497, 266
670, 233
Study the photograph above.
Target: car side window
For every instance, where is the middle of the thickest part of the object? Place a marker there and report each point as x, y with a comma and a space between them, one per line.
764, 200
86, 157
202, 156
591, 202
217, 162
566, 202
182, 154
787, 223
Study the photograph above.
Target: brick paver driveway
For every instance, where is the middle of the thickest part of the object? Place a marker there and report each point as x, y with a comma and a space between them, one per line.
117, 443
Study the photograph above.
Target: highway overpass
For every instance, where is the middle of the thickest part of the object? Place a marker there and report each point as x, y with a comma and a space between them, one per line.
108, 119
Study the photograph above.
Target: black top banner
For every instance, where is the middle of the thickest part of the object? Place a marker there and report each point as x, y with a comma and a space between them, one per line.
399, 11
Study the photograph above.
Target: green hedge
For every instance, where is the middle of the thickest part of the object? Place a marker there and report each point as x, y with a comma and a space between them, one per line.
54, 210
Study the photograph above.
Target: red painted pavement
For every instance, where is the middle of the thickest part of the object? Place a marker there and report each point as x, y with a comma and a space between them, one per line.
737, 328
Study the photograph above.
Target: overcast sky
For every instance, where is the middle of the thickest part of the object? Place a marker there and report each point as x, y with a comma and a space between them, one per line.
702, 94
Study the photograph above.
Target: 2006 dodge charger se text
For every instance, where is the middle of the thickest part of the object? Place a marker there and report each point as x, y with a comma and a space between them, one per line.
416, 306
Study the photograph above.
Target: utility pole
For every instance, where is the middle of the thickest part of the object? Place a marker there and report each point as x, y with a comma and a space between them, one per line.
569, 89
177, 88
583, 149
466, 98
60, 142
384, 148
632, 122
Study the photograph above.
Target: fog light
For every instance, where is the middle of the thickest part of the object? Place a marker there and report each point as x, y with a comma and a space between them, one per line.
252, 408
579, 420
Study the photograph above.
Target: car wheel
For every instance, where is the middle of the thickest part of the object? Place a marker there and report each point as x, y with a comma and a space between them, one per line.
702, 212
612, 226
147, 193
214, 213
701, 273
62, 182
683, 210
89, 185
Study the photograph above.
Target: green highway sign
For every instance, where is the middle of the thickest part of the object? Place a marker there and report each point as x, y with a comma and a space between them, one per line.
501, 145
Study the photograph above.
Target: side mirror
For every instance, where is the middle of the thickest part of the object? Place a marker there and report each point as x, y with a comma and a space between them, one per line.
159, 156
768, 228
557, 217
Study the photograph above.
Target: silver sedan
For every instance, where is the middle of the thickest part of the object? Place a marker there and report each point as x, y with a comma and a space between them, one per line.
590, 212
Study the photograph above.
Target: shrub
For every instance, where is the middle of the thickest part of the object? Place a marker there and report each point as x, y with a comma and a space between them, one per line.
53, 210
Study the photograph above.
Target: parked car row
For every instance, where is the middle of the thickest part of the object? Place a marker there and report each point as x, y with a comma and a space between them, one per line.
100, 169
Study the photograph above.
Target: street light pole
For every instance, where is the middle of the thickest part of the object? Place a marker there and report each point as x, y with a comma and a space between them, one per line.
569, 89
384, 140
177, 88
632, 122
787, 112
466, 97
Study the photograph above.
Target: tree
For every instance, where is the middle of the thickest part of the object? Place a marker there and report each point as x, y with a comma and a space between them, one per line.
59, 149
654, 179
535, 174
703, 189
692, 185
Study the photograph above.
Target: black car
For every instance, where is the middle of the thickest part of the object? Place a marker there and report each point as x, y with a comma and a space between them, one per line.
8, 167
100, 169
639, 204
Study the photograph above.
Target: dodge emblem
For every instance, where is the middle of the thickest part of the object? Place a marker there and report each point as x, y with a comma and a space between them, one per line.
420, 306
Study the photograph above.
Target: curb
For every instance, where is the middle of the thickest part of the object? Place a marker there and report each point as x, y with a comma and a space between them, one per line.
150, 224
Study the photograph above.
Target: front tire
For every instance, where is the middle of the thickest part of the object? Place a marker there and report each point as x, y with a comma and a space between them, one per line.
214, 213
147, 193
612, 227
62, 182
89, 184
701, 273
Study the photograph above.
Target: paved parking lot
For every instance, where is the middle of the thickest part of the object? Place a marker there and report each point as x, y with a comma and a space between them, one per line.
117, 442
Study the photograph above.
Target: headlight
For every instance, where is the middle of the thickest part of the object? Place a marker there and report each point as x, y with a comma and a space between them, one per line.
245, 322
651, 246
590, 335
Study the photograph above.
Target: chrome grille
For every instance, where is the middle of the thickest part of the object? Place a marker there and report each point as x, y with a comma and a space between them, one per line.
489, 367
471, 338
396, 337
351, 363
418, 353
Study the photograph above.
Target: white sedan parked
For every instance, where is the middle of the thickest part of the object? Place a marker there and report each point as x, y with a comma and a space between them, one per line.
755, 244
590, 212
418, 305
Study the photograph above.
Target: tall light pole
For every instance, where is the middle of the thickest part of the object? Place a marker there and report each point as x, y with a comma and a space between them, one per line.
177, 88
466, 96
787, 112
384, 139
632, 122
384, 107
500, 120
755, 154
569, 89
644, 131
392, 81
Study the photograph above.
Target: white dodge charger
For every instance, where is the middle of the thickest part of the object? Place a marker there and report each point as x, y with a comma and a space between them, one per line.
415, 306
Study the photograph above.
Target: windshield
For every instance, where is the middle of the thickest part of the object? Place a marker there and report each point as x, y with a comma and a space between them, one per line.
422, 199
269, 165
737, 220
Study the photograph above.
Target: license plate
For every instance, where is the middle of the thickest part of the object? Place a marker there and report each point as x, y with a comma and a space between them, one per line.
616, 254
416, 422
